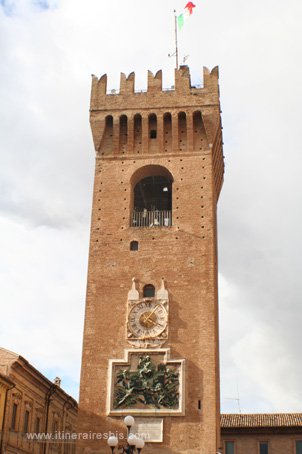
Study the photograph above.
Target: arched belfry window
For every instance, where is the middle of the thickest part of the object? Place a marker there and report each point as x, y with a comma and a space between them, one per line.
152, 197
149, 291
153, 193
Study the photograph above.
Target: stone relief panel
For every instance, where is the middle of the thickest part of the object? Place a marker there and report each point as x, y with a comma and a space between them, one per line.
146, 382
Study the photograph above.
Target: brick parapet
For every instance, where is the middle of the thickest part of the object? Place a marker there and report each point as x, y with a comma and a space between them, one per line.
182, 95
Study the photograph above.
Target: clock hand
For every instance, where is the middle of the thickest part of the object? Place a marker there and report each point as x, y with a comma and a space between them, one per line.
151, 321
151, 313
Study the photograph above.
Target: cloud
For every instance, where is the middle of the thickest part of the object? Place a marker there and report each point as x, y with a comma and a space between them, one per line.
23, 7
43, 291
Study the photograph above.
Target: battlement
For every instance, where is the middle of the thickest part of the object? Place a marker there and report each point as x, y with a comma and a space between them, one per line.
184, 119
155, 96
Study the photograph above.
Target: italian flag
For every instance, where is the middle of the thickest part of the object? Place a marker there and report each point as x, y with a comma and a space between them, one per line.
188, 11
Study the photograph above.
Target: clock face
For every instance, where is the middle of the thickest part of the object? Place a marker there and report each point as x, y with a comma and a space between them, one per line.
147, 319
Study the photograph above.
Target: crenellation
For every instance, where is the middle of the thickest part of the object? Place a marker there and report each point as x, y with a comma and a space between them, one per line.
127, 84
155, 96
155, 82
210, 78
182, 80
98, 91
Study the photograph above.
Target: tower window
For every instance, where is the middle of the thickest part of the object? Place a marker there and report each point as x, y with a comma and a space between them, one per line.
152, 202
153, 134
153, 193
149, 291
134, 246
152, 197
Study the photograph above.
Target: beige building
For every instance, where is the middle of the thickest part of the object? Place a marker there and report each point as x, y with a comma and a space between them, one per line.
5, 385
34, 406
262, 433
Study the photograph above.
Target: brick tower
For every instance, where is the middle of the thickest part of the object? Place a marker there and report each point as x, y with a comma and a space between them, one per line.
150, 346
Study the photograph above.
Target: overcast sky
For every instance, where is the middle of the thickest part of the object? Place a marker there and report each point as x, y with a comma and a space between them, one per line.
48, 50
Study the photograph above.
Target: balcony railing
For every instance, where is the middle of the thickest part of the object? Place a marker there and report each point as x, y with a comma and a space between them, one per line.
151, 218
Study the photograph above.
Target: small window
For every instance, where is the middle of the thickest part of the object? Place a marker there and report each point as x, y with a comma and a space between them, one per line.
134, 246
26, 421
37, 425
54, 426
149, 291
263, 447
229, 447
299, 447
153, 134
67, 444
14, 417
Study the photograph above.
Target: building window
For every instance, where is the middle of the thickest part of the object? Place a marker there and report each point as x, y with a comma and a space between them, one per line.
263, 447
153, 193
149, 291
14, 417
153, 134
37, 424
229, 447
26, 421
67, 447
299, 447
55, 426
134, 246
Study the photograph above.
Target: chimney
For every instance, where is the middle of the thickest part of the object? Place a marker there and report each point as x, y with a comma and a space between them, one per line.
57, 381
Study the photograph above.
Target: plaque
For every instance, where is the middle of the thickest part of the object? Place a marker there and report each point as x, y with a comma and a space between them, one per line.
149, 429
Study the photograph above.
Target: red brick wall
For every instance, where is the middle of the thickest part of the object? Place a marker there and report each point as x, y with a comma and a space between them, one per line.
185, 254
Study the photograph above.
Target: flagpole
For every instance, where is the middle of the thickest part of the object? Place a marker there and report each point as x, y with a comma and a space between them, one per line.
176, 39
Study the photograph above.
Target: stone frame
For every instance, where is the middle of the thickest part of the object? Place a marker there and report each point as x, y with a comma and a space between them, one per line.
126, 361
